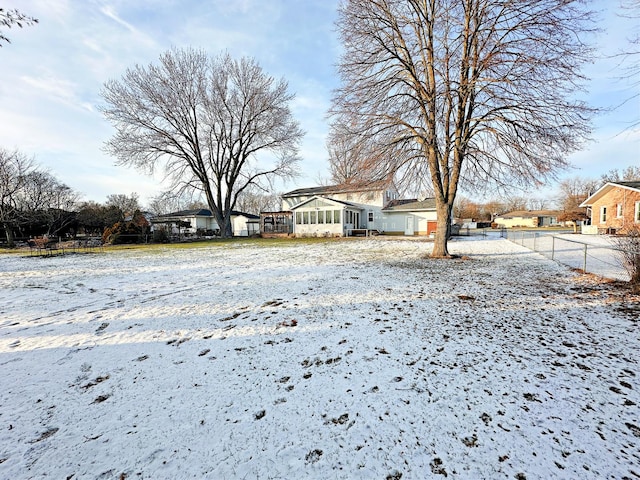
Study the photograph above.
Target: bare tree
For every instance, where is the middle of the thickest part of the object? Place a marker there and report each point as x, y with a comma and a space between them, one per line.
169, 202
255, 201
93, 217
631, 54
538, 203
345, 161
350, 158
574, 191
8, 18
466, 208
32, 199
629, 174
127, 204
465, 91
204, 121
14, 169
44, 200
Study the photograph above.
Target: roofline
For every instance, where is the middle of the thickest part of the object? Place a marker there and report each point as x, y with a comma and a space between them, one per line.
343, 188
317, 197
196, 213
530, 213
606, 187
401, 208
407, 207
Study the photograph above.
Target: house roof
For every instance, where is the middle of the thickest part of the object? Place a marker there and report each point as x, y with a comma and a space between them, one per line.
410, 205
325, 199
201, 212
606, 188
342, 188
198, 212
530, 214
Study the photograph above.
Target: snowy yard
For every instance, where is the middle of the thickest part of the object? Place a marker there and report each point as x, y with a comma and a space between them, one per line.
598, 253
354, 359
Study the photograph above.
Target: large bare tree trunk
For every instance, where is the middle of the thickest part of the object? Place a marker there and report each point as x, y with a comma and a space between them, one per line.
443, 231
9, 236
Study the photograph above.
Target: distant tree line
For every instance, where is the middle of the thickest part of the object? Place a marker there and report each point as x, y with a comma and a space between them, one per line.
34, 203
571, 193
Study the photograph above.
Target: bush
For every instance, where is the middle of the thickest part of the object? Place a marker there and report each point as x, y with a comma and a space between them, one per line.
629, 248
129, 231
160, 235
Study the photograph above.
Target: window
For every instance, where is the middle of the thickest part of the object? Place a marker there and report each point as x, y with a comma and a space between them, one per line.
312, 217
619, 210
370, 216
636, 213
298, 218
603, 214
305, 218
336, 216
321, 216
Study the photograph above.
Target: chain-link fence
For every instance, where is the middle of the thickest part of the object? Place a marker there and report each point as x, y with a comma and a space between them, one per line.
592, 254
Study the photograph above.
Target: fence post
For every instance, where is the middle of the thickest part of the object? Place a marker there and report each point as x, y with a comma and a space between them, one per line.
535, 241
553, 245
584, 265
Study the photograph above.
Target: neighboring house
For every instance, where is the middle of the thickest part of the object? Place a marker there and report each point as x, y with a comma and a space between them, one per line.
614, 207
410, 217
527, 218
202, 222
353, 209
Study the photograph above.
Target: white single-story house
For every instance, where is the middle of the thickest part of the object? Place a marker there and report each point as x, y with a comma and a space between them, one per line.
358, 209
201, 222
527, 218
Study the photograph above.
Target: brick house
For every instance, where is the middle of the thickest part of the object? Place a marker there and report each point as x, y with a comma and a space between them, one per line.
614, 208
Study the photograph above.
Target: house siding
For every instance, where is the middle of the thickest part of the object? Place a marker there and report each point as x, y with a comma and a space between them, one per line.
395, 222
625, 197
517, 222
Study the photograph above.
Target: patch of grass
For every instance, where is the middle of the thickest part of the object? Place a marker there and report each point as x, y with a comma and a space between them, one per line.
223, 243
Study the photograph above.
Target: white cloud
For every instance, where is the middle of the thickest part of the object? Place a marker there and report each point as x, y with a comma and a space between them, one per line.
51, 86
110, 12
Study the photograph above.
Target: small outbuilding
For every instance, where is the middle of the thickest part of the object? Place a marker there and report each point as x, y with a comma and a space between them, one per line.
410, 217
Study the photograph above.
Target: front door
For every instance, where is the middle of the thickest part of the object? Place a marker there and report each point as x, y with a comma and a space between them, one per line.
408, 230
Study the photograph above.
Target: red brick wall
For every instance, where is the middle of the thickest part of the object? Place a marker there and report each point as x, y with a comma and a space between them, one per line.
623, 196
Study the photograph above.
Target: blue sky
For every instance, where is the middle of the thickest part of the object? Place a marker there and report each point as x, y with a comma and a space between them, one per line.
51, 75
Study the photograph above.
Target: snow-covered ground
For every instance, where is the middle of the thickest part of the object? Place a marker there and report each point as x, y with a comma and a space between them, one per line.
355, 359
